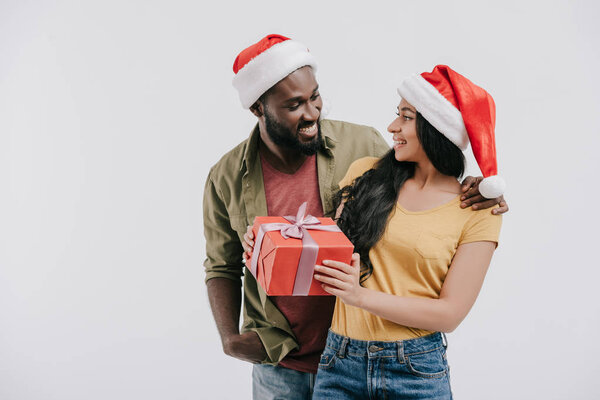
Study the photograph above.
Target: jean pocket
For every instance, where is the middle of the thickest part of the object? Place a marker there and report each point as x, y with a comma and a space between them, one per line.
431, 364
327, 358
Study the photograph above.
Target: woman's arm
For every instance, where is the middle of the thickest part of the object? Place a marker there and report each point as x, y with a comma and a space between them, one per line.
458, 294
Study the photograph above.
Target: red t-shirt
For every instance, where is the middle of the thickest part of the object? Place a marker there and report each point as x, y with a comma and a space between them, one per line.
308, 316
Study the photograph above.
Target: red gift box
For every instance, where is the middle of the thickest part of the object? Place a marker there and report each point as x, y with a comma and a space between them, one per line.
287, 249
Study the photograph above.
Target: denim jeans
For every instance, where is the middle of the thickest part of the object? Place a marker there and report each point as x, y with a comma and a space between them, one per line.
407, 369
278, 383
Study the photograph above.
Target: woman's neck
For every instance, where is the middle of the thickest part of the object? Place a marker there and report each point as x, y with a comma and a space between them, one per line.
427, 189
428, 177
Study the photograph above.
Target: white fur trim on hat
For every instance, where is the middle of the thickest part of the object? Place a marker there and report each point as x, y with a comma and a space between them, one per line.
435, 108
269, 67
492, 187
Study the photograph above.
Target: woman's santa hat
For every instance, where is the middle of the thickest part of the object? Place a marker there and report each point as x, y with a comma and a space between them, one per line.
260, 66
461, 111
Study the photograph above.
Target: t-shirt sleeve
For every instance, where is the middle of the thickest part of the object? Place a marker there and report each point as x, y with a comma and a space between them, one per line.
356, 169
482, 226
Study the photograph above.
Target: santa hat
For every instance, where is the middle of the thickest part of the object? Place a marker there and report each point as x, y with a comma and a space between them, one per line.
260, 66
461, 111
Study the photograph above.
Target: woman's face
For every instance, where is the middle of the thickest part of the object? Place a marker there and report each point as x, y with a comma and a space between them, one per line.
404, 128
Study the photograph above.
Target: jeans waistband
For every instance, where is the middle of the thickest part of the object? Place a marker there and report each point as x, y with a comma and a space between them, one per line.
344, 345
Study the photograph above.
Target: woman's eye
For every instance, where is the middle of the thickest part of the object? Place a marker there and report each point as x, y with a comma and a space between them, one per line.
404, 117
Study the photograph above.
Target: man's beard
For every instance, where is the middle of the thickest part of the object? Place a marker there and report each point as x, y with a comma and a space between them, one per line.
284, 137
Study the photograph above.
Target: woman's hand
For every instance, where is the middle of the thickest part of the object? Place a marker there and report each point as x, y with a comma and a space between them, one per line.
342, 280
248, 244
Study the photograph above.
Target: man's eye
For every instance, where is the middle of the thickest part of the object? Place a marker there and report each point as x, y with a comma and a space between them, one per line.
315, 96
293, 107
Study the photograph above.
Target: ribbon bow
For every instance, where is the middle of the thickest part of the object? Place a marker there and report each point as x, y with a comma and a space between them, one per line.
300, 224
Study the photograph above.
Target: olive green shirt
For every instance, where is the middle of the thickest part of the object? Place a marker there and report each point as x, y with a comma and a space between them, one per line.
234, 194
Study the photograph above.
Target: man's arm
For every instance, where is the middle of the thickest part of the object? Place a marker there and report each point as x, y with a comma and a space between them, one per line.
223, 272
225, 302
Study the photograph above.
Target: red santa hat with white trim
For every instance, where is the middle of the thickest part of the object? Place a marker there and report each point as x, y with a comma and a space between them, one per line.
263, 64
461, 111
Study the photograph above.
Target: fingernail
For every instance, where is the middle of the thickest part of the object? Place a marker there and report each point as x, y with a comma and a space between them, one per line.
475, 207
462, 197
463, 204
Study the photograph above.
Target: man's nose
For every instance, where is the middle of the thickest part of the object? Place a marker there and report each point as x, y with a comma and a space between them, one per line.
311, 112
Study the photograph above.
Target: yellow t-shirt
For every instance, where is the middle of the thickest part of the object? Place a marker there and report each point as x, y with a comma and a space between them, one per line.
411, 259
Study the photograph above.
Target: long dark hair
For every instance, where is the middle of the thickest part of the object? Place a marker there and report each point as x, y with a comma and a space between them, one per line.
370, 199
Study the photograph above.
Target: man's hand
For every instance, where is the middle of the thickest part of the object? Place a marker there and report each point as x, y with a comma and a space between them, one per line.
225, 301
472, 197
248, 244
246, 347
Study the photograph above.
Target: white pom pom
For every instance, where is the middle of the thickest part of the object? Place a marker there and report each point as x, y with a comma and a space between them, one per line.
492, 187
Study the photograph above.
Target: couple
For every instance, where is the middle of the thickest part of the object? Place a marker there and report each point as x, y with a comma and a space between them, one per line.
402, 208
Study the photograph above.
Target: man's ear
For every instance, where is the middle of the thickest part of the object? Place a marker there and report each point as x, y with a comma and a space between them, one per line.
257, 109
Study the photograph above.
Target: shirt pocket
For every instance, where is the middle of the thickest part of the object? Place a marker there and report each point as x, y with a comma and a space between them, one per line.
434, 245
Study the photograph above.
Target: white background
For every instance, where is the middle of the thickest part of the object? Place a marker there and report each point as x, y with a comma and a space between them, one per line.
112, 112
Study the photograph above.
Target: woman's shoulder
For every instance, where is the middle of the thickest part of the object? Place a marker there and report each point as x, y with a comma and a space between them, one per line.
357, 168
362, 165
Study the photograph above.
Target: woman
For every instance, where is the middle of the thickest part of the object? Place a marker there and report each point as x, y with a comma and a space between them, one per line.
423, 258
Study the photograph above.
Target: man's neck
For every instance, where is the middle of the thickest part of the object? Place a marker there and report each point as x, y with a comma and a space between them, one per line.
283, 160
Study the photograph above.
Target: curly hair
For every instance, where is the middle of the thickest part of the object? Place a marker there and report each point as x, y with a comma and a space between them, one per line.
370, 198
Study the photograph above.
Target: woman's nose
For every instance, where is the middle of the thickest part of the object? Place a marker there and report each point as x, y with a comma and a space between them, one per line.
394, 126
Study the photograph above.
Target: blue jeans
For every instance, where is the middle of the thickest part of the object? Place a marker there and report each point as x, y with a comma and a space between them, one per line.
407, 369
278, 383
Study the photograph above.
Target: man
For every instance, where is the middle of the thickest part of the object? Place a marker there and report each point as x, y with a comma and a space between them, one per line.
291, 156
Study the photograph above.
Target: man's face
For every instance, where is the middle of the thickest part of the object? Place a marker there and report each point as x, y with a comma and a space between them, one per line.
292, 109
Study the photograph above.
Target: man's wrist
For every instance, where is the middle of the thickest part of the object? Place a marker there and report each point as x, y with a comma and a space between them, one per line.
228, 341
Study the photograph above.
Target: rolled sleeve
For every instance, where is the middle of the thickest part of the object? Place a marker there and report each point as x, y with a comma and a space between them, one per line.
223, 248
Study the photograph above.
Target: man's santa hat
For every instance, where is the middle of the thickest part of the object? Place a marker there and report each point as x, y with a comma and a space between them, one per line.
260, 66
461, 111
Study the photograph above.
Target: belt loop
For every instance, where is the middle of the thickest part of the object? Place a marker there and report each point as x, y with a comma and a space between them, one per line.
342, 350
444, 340
400, 345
